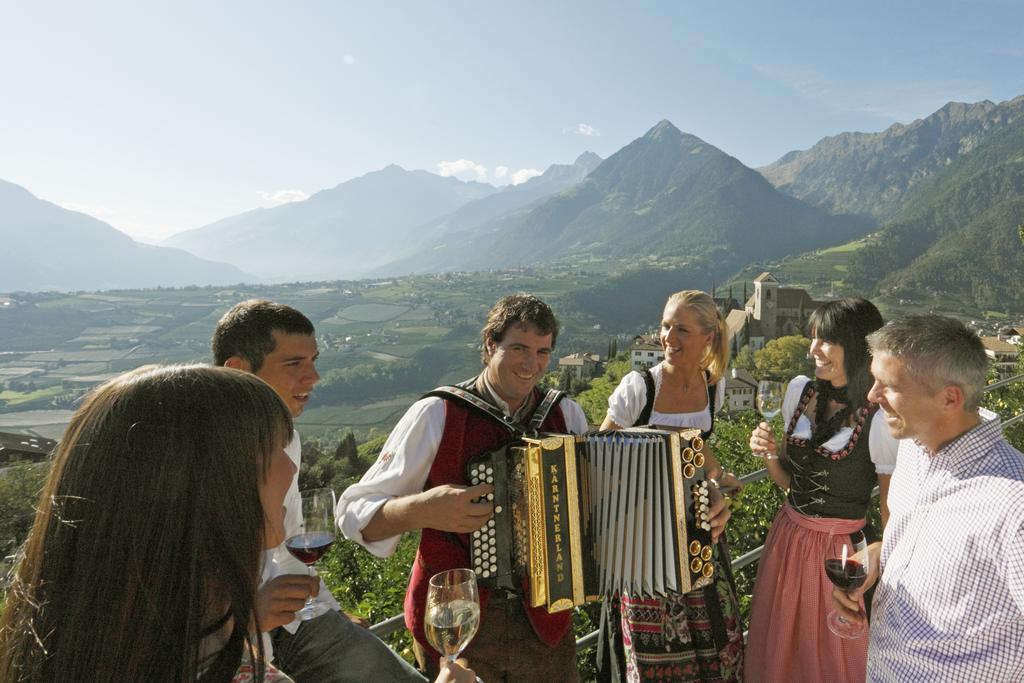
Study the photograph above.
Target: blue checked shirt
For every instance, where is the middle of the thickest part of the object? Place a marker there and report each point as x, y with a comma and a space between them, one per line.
950, 601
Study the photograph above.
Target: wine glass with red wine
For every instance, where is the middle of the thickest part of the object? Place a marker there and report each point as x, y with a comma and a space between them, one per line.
847, 563
316, 536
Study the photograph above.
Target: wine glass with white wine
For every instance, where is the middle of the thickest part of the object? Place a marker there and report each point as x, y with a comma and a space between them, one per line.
769, 404
453, 611
769, 398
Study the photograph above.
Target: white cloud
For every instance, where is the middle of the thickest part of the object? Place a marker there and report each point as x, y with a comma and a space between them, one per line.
587, 130
468, 170
524, 174
348, 60
284, 197
463, 169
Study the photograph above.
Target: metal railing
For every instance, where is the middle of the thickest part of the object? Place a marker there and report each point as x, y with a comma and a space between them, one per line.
397, 622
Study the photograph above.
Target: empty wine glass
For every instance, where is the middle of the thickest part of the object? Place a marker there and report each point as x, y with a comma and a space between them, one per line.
453, 611
847, 563
316, 536
769, 398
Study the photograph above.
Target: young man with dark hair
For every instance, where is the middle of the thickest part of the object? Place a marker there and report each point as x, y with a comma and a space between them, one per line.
950, 598
277, 343
419, 482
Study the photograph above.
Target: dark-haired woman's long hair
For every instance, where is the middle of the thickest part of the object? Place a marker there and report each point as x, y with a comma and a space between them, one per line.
846, 322
148, 533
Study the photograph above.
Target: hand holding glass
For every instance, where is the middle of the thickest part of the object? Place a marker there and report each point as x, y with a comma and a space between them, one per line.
847, 564
769, 404
453, 611
769, 398
316, 537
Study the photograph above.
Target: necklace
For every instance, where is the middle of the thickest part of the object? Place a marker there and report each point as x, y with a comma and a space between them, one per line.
686, 384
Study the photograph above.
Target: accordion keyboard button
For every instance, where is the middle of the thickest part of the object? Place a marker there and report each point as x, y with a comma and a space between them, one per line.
497, 509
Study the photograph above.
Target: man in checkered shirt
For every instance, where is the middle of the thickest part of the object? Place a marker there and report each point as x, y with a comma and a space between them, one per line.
950, 599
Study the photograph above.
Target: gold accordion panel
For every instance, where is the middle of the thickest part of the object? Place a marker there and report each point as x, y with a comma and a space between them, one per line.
584, 517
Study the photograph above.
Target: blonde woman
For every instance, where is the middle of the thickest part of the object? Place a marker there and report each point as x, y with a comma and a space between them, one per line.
695, 636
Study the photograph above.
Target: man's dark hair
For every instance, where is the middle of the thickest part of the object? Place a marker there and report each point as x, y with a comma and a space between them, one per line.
520, 310
246, 330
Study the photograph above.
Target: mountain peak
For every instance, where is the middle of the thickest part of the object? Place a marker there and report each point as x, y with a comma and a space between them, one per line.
663, 130
588, 158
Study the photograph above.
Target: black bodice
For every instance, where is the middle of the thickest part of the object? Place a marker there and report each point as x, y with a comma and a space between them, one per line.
825, 484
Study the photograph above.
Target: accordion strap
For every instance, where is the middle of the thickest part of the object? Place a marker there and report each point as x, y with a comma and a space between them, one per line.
550, 400
464, 396
467, 398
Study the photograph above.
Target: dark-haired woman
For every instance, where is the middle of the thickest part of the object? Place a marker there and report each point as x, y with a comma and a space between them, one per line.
144, 557
697, 636
836, 449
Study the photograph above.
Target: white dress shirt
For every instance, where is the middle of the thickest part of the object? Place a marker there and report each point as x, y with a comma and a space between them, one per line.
404, 464
278, 561
950, 600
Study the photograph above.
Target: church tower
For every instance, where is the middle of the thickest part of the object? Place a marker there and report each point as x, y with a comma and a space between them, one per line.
766, 301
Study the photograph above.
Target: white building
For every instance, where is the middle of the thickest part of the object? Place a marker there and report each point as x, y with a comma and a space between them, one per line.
740, 391
1003, 355
645, 352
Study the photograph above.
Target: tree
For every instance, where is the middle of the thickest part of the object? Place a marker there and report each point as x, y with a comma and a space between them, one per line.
745, 359
19, 493
594, 400
565, 379
1008, 402
346, 455
784, 358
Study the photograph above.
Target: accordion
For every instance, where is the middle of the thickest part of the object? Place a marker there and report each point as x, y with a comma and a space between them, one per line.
585, 517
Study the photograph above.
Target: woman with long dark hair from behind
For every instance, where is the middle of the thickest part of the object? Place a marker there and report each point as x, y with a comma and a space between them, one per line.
836, 449
143, 561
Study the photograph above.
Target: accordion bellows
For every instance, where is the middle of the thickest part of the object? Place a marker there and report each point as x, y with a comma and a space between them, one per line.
585, 517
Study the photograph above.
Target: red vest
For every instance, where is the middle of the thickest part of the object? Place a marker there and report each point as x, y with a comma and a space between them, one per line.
468, 433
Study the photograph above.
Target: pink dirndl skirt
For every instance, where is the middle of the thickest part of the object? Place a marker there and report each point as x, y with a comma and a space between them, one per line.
789, 639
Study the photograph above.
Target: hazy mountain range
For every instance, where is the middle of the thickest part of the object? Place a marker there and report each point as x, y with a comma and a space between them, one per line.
941, 197
337, 233
667, 194
960, 234
46, 247
876, 173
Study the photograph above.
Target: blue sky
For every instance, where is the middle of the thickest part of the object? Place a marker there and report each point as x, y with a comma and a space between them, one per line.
160, 117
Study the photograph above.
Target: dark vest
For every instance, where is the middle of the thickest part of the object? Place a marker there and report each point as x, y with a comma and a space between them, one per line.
468, 433
831, 485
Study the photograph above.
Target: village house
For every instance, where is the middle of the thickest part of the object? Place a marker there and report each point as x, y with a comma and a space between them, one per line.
15, 448
645, 352
582, 366
1003, 355
740, 390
